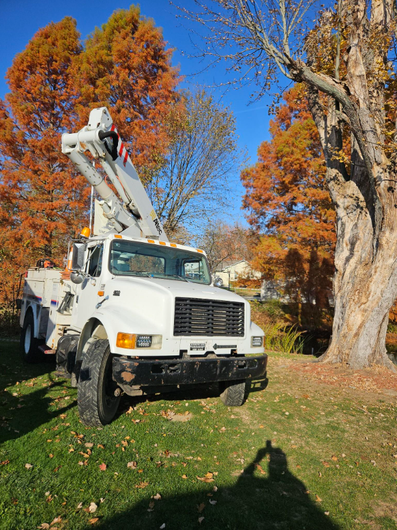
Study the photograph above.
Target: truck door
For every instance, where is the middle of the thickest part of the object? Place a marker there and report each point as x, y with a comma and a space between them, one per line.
88, 296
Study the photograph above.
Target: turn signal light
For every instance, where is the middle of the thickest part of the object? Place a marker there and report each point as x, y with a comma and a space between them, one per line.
126, 340
131, 341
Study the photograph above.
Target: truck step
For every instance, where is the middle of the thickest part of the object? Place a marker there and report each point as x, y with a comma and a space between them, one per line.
43, 348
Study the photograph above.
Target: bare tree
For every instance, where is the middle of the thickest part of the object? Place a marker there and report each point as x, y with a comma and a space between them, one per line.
224, 243
194, 183
346, 66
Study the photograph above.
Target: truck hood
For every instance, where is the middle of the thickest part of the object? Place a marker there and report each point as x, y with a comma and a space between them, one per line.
148, 303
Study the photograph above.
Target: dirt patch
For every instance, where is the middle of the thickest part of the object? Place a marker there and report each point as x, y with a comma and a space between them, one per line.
376, 380
172, 416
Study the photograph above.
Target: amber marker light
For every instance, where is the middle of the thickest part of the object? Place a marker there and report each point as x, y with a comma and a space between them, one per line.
101, 293
126, 340
117, 236
85, 232
162, 243
173, 245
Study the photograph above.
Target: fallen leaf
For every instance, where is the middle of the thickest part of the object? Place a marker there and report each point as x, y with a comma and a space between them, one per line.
102, 467
212, 502
200, 507
28, 466
132, 465
184, 476
6, 462
142, 485
318, 499
157, 497
162, 526
93, 520
207, 477
44, 526
201, 519
89, 444
56, 520
260, 469
92, 508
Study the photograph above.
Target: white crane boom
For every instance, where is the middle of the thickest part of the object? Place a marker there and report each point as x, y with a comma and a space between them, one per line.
131, 212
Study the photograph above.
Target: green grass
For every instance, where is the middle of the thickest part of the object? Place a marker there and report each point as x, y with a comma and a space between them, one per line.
297, 455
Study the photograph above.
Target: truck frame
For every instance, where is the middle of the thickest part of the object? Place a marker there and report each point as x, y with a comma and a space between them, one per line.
133, 312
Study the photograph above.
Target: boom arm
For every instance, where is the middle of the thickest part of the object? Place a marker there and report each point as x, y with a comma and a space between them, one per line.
132, 211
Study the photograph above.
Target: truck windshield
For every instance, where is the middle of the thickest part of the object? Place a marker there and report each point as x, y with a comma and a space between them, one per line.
131, 258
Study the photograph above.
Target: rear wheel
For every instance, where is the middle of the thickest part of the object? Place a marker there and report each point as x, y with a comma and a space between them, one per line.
29, 344
233, 394
96, 399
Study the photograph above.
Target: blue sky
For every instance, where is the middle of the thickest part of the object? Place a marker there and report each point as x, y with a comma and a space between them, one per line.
21, 19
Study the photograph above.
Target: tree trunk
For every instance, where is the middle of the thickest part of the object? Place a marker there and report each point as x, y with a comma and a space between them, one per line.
365, 282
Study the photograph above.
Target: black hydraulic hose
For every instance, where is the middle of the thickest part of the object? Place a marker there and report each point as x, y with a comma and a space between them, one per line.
115, 137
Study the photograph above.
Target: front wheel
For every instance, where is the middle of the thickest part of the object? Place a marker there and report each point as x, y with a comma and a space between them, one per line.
96, 399
233, 394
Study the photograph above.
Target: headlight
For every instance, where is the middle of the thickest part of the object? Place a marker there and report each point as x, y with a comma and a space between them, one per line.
256, 341
131, 341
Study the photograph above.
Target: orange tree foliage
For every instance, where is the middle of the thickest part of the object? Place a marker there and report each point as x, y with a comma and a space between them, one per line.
53, 84
127, 67
286, 199
39, 198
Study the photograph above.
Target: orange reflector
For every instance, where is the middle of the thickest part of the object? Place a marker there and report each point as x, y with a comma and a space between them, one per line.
173, 245
162, 243
126, 340
101, 293
198, 250
117, 236
150, 241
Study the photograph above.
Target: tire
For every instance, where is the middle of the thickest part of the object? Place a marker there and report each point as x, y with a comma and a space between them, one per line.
234, 394
96, 401
28, 344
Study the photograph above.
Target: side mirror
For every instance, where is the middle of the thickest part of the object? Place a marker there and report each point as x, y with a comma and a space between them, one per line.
76, 277
218, 282
78, 253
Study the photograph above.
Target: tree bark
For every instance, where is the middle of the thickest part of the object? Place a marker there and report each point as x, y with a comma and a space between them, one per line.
365, 286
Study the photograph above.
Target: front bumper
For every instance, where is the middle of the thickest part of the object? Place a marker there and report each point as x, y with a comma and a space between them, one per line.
161, 372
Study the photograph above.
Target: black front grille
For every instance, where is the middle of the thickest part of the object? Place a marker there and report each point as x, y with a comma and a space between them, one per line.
196, 316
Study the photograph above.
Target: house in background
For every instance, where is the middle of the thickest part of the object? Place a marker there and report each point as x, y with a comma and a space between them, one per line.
237, 270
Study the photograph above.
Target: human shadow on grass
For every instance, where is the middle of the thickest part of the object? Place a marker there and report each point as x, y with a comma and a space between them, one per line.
21, 416
264, 497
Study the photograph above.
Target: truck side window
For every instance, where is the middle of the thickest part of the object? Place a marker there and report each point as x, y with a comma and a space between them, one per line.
95, 261
192, 269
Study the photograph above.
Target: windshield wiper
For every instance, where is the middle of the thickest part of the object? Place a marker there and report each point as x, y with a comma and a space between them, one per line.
179, 277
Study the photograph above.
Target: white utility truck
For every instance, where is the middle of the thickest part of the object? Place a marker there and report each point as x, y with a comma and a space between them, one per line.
133, 312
